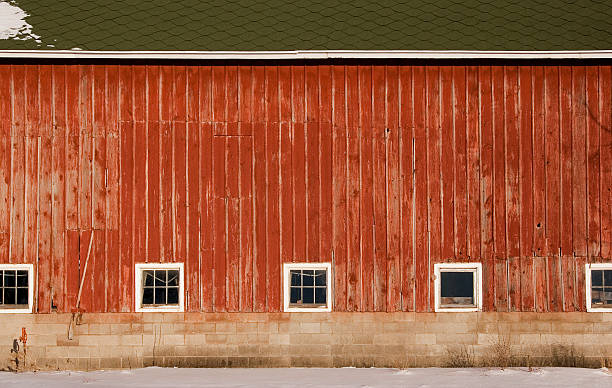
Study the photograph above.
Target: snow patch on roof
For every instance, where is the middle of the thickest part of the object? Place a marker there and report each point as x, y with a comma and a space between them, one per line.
13, 24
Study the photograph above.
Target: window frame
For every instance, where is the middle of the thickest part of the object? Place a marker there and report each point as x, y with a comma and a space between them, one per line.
140, 268
587, 270
458, 267
287, 267
31, 285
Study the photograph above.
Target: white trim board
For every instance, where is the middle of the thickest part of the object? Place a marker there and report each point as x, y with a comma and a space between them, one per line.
307, 54
139, 268
287, 267
463, 267
587, 270
31, 286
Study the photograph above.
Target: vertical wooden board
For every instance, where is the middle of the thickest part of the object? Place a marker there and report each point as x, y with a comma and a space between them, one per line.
367, 184
394, 192
153, 191
72, 265
97, 266
541, 291
526, 154
407, 211
564, 199
433, 170
193, 93
554, 284
220, 224
18, 168
166, 222
259, 221
153, 96
245, 95
579, 161
557, 121
31, 203
487, 181
605, 134
528, 284
273, 218
139, 77
511, 123
85, 169
5, 160
180, 191
580, 283
271, 90
259, 95
206, 211
192, 263
58, 278
312, 190
231, 87
232, 184
86, 276
218, 99
454, 163
420, 191
246, 223
593, 162
499, 188
179, 93
353, 217
286, 172
140, 191
539, 162
473, 164
379, 190
72, 147
126, 190
113, 188
166, 93
32, 103
311, 93
298, 168
325, 165
340, 184
513, 225
568, 277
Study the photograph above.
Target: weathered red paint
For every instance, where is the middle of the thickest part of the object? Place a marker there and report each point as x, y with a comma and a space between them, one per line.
383, 170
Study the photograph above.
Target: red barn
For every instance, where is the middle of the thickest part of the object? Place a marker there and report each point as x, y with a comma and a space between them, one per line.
305, 184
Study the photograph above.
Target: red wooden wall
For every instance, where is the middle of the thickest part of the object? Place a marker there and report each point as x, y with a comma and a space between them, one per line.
383, 170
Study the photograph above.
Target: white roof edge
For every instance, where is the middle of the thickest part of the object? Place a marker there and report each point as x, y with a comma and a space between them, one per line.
306, 54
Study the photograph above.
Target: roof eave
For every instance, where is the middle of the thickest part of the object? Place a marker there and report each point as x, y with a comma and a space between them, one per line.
307, 54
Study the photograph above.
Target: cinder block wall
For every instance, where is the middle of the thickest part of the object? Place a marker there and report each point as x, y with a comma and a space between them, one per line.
133, 340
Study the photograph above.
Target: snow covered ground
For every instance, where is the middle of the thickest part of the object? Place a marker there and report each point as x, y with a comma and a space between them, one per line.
345, 377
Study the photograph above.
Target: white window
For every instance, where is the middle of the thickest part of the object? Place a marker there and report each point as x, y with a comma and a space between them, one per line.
307, 287
16, 288
599, 287
458, 287
159, 287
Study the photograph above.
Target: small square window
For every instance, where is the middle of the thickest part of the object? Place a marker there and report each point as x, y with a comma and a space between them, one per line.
599, 287
307, 287
16, 288
159, 287
458, 287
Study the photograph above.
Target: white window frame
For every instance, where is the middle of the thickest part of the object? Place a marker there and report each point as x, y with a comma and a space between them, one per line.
459, 267
140, 267
587, 271
31, 285
287, 267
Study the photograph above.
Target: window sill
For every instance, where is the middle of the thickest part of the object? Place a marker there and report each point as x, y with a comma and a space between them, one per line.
173, 309
456, 309
599, 310
308, 309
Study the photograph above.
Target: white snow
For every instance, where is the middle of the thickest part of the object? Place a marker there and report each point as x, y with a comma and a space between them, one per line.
13, 24
345, 377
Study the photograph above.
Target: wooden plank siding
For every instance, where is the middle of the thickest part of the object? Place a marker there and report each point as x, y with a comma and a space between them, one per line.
234, 169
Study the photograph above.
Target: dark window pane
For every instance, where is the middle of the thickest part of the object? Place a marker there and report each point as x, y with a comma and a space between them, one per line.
1, 278
148, 278
457, 284
173, 278
22, 278
9, 278
160, 278
173, 295
160, 296
22, 296
596, 277
320, 295
296, 277
147, 296
321, 277
296, 295
308, 278
308, 295
1, 297
9, 296
608, 277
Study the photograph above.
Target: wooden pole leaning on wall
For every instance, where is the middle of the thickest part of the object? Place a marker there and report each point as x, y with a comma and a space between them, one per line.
78, 303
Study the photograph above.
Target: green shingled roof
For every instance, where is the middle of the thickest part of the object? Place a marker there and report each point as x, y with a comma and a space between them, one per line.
269, 25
